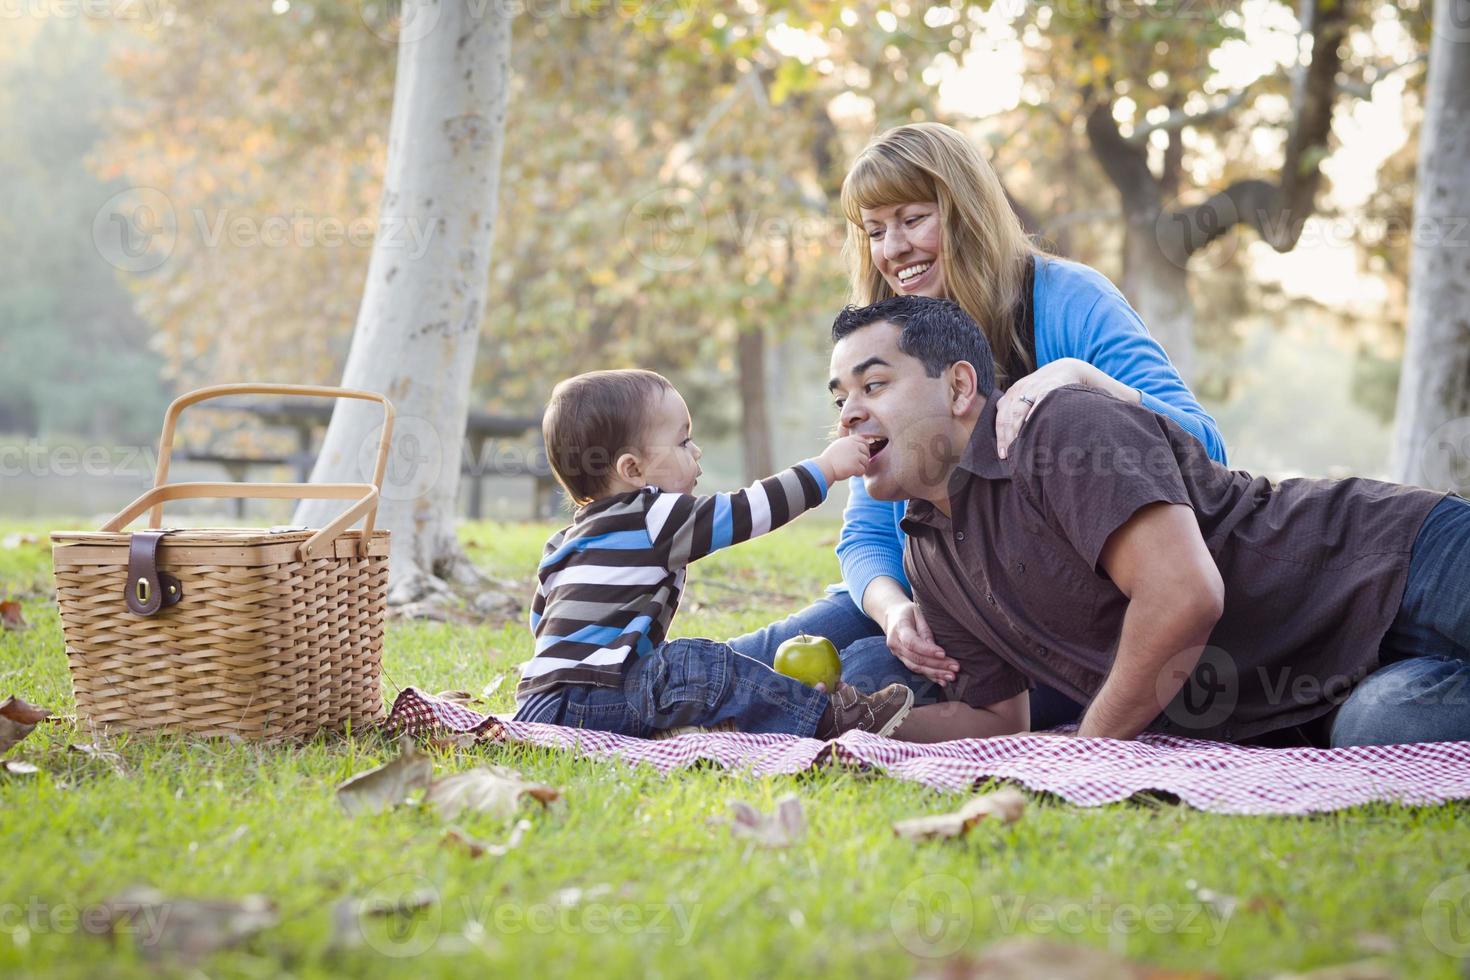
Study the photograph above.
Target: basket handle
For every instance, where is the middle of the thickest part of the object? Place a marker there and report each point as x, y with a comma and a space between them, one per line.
365, 494
170, 418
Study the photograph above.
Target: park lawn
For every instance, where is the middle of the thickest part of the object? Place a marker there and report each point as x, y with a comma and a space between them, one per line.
629, 876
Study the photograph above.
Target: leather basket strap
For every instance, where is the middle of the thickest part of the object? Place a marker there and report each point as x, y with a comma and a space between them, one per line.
147, 590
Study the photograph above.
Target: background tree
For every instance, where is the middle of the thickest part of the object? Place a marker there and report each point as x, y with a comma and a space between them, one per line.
419, 325
1432, 437
1182, 147
685, 219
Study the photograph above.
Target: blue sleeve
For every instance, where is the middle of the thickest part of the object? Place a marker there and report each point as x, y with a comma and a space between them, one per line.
1081, 314
870, 545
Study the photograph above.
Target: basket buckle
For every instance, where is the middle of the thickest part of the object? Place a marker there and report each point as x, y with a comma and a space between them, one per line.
148, 590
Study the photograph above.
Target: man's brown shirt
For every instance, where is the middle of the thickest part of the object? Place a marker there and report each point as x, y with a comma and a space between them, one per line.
1314, 570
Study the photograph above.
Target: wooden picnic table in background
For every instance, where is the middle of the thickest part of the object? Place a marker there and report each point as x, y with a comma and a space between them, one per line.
308, 419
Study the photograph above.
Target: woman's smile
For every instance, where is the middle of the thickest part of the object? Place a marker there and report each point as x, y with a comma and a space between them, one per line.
914, 277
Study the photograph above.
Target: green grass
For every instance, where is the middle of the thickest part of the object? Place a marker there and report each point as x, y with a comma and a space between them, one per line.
662, 891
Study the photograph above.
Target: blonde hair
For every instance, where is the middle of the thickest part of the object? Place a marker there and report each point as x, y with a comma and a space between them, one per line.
983, 249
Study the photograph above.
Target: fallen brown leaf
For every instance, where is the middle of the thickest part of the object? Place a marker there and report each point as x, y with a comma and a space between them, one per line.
464, 740
494, 789
784, 827
1005, 805
455, 837
388, 785
10, 615
1030, 958
185, 928
17, 720
464, 698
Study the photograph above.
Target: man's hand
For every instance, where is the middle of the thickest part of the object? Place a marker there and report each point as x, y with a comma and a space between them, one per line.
844, 458
911, 641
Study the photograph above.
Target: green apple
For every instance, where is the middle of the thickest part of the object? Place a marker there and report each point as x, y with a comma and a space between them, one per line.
812, 660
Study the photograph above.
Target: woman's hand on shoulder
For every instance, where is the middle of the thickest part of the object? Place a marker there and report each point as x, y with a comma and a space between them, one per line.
1021, 399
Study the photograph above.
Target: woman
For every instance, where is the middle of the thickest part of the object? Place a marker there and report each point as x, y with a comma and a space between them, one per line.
927, 216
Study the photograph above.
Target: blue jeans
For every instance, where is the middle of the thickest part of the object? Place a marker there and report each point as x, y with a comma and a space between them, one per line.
868, 664
1422, 693
685, 682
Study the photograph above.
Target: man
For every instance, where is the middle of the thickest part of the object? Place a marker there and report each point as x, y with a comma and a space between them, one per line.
1110, 558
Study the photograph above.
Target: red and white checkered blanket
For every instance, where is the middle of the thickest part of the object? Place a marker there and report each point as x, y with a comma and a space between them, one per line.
1211, 776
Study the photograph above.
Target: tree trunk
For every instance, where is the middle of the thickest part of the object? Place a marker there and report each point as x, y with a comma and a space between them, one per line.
755, 423
1431, 443
1160, 238
418, 325
1157, 286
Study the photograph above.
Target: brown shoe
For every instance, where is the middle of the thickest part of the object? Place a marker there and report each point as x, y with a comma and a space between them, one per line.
852, 710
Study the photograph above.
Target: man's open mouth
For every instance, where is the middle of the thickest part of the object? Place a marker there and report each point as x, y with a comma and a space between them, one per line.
876, 445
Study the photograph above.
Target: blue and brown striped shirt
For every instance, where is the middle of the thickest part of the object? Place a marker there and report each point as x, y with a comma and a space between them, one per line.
610, 582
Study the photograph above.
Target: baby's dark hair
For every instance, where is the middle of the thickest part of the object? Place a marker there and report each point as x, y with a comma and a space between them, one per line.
936, 331
591, 420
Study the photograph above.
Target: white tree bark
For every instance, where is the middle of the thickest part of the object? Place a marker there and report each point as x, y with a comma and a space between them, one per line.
1431, 445
418, 326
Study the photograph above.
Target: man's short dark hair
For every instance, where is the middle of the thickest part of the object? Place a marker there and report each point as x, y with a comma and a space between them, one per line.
935, 331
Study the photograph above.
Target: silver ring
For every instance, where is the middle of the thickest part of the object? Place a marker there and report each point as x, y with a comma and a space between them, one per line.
1029, 400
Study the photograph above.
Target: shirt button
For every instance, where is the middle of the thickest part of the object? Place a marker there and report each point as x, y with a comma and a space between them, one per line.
990, 598
959, 535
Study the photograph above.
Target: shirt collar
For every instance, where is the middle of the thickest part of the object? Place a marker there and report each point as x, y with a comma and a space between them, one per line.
982, 455
598, 506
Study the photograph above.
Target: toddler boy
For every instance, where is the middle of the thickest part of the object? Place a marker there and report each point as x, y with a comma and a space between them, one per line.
620, 443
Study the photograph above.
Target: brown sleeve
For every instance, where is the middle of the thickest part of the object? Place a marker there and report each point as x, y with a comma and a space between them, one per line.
983, 678
1091, 462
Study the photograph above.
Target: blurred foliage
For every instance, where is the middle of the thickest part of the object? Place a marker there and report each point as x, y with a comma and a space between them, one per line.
670, 175
647, 215
74, 357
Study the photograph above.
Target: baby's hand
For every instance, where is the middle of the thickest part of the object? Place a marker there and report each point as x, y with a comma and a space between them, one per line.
846, 457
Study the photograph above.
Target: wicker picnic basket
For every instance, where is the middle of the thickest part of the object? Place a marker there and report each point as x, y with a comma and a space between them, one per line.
255, 633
